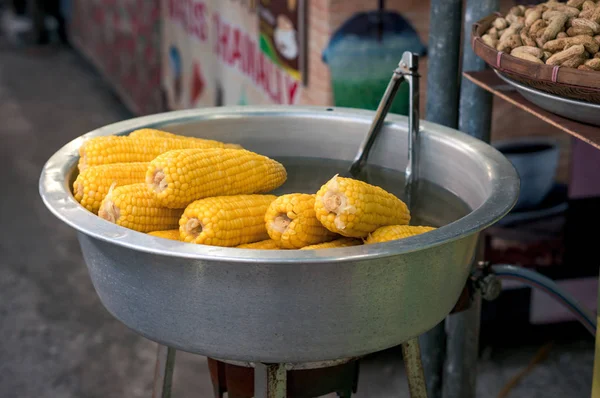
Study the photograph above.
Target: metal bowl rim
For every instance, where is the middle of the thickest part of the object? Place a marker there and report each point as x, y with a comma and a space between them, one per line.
57, 196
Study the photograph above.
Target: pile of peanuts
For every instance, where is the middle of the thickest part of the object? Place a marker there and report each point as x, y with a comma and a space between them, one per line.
551, 33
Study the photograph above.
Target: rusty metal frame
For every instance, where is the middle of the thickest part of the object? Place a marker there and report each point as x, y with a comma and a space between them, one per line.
163, 371
411, 353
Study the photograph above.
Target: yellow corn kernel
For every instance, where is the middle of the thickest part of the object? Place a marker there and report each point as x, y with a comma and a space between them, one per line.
93, 183
225, 220
354, 208
341, 242
393, 232
268, 244
292, 222
124, 149
172, 234
134, 207
179, 177
166, 134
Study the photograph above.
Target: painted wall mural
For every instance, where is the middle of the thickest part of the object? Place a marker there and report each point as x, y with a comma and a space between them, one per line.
235, 52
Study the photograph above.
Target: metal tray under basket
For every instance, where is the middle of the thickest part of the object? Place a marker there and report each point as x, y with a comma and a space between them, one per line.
581, 111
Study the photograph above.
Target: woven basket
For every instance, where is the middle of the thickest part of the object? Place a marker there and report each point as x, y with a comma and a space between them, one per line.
564, 82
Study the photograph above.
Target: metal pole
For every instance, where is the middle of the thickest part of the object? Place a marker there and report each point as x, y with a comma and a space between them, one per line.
443, 74
411, 353
475, 102
270, 381
443, 77
459, 379
163, 371
460, 374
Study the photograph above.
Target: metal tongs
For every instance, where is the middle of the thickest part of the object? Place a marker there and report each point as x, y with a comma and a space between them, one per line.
407, 70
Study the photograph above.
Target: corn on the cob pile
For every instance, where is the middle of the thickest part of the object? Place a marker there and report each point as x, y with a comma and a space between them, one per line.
341, 242
292, 222
179, 177
209, 192
393, 232
124, 149
165, 134
226, 220
172, 234
268, 244
354, 208
134, 207
92, 184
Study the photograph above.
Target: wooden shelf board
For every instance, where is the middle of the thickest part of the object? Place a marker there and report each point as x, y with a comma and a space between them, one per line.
489, 81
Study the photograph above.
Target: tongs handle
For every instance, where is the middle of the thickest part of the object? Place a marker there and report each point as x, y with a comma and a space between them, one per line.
384, 106
411, 62
407, 69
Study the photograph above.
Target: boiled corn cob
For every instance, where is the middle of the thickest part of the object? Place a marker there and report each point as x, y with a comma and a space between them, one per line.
134, 207
123, 149
341, 242
179, 177
225, 220
92, 184
268, 244
172, 234
354, 208
393, 232
291, 221
165, 134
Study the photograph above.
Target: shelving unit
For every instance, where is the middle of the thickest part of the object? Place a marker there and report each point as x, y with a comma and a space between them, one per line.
490, 82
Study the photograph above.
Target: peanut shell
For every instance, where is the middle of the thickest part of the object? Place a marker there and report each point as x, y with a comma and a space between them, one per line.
490, 41
593, 63
581, 22
595, 15
587, 14
574, 62
500, 23
536, 27
576, 3
516, 11
587, 5
555, 25
570, 11
528, 57
509, 43
536, 52
559, 58
578, 31
590, 44
555, 45
533, 16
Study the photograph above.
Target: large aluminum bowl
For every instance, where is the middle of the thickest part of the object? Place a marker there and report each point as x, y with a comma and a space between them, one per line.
292, 306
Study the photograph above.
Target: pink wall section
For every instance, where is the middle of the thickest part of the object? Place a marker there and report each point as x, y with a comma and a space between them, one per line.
585, 170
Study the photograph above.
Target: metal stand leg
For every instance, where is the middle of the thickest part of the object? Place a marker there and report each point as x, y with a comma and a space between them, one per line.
270, 381
163, 372
411, 353
433, 349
